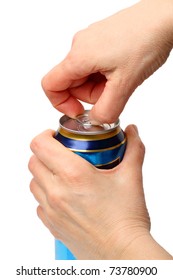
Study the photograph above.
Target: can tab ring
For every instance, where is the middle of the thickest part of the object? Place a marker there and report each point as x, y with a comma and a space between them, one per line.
86, 124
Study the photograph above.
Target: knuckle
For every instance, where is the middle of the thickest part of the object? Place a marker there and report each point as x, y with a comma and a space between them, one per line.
39, 142
45, 83
76, 60
35, 143
77, 36
53, 199
32, 186
140, 146
31, 163
73, 174
56, 200
39, 211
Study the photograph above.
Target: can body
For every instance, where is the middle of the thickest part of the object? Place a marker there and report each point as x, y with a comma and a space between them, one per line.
101, 145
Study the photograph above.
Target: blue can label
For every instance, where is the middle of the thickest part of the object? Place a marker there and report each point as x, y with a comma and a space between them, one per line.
103, 151
104, 148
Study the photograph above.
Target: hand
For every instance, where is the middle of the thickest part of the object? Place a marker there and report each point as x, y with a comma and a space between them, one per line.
110, 59
98, 214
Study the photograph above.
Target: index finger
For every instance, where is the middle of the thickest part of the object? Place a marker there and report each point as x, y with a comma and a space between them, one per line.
71, 81
57, 84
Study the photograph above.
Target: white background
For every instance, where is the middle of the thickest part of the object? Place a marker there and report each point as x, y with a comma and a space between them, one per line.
34, 36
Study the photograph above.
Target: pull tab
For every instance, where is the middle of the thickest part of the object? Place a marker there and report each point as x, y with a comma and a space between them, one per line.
84, 123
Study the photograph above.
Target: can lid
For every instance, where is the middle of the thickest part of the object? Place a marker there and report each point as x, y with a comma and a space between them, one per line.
83, 125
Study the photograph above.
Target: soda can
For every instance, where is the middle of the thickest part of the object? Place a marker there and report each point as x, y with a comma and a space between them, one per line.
103, 145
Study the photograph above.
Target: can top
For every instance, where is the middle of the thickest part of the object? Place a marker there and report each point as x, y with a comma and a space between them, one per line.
83, 125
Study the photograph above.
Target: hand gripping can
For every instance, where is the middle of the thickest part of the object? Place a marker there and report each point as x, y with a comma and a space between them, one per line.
103, 145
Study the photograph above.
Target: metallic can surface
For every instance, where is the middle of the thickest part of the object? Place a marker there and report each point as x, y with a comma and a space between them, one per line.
103, 145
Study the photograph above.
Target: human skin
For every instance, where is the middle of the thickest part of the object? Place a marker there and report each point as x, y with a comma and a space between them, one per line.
98, 214
102, 214
110, 59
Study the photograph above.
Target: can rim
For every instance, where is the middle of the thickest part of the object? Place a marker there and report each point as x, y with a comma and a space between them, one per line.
108, 127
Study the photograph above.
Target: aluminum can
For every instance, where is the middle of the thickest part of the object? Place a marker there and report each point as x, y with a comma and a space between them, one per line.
103, 145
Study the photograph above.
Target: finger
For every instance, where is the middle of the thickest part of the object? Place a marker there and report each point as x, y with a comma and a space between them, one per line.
38, 193
65, 102
135, 151
63, 76
91, 90
57, 83
56, 157
88, 92
113, 99
41, 173
67, 83
42, 216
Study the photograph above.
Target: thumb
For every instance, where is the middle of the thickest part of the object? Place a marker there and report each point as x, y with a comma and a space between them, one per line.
112, 100
135, 151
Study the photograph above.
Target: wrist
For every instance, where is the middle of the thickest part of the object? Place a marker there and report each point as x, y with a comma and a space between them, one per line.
144, 247
160, 13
